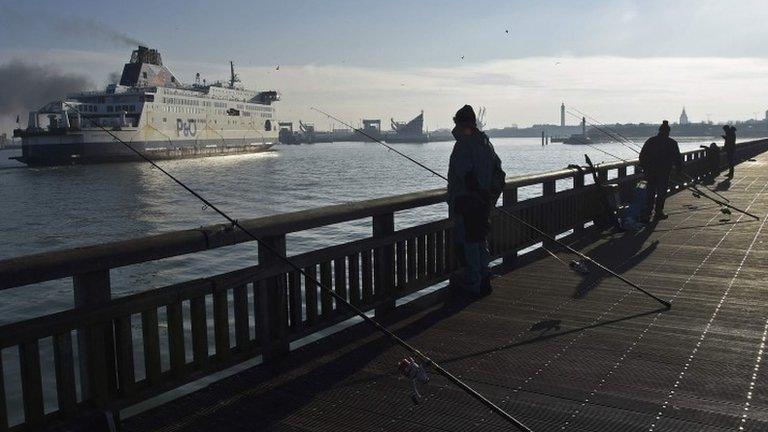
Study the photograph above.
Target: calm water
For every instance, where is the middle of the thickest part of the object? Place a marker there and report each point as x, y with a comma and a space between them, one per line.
45, 209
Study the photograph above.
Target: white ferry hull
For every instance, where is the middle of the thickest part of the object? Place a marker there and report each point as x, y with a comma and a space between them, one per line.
69, 149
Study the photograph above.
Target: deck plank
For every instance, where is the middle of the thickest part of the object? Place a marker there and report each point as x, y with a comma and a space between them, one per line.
615, 363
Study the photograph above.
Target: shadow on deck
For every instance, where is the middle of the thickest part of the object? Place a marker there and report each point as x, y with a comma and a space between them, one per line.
558, 351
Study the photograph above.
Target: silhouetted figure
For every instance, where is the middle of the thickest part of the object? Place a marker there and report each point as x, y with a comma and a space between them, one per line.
475, 182
657, 157
713, 162
730, 147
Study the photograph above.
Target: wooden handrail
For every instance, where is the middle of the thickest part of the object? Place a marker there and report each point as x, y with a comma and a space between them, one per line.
26, 270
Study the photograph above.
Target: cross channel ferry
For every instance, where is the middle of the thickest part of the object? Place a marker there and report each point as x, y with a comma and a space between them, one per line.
156, 114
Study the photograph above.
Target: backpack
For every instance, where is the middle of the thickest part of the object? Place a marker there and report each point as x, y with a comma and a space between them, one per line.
498, 177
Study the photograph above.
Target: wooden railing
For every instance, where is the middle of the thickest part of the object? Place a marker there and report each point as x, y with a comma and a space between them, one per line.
267, 306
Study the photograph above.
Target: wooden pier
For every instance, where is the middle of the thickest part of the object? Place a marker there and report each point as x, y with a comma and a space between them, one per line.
557, 350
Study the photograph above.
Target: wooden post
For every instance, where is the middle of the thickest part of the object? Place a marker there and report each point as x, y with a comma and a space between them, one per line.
548, 189
95, 344
384, 264
276, 299
578, 183
509, 198
602, 175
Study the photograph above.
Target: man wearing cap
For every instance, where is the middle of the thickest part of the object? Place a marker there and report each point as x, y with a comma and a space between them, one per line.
475, 182
657, 157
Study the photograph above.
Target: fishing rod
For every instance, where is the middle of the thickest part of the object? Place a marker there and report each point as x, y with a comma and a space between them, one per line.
697, 193
623, 140
636, 146
512, 216
428, 362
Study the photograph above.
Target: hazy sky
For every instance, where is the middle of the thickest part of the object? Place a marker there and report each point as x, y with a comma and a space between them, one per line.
617, 60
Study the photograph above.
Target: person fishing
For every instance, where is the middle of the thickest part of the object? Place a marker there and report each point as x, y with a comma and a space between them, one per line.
657, 157
730, 147
475, 182
713, 161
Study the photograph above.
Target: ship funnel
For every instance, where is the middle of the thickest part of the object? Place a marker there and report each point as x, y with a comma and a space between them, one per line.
146, 55
145, 69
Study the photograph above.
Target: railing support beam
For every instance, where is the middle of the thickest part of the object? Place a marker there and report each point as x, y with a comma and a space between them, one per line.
95, 344
384, 264
508, 199
276, 300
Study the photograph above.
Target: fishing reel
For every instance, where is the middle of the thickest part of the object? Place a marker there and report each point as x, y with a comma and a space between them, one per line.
416, 373
724, 210
696, 194
579, 267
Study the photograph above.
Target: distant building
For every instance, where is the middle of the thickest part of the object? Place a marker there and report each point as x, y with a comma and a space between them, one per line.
684, 118
562, 114
3, 140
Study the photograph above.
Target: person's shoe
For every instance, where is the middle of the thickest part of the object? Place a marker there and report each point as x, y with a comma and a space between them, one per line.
660, 216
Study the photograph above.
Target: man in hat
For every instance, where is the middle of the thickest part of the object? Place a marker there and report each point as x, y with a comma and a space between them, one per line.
657, 157
475, 182
730, 147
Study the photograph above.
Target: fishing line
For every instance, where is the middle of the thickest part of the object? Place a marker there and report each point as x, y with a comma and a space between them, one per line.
623, 140
515, 218
697, 193
428, 362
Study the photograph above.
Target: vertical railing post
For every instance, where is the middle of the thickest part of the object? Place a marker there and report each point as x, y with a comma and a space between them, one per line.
384, 264
602, 175
95, 344
548, 188
578, 183
509, 199
625, 188
275, 298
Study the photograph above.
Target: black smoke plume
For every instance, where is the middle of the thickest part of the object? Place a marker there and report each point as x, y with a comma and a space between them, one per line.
85, 27
114, 78
83, 30
29, 86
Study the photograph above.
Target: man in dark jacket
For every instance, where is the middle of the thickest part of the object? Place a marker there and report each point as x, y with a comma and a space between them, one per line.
657, 157
730, 147
475, 182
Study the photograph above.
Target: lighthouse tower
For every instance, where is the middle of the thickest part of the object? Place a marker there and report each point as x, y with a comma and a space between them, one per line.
562, 114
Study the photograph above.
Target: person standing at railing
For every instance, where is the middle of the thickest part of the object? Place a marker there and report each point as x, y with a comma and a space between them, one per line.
730, 147
475, 182
713, 161
657, 157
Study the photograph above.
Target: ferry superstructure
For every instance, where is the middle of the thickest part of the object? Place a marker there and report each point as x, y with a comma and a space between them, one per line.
156, 114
